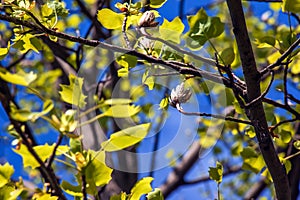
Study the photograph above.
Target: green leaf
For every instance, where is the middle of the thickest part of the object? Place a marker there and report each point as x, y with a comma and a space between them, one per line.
265, 42
297, 144
227, 56
249, 152
155, 195
126, 137
202, 28
6, 171
46, 197
157, 3
43, 151
216, 173
285, 136
143, 186
164, 103
148, 80
109, 19
26, 115
58, 7
255, 164
96, 171
71, 189
72, 93
250, 132
171, 30
122, 111
19, 78
291, 6
4, 51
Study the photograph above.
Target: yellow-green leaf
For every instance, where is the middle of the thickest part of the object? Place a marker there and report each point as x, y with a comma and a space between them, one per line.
171, 30
19, 78
109, 19
122, 110
43, 151
126, 137
71, 189
96, 171
6, 171
163, 103
291, 6
227, 56
157, 3
216, 173
148, 80
155, 195
4, 51
117, 101
143, 186
46, 197
72, 93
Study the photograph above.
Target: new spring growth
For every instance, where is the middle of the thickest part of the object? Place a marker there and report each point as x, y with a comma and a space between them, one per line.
179, 95
147, 20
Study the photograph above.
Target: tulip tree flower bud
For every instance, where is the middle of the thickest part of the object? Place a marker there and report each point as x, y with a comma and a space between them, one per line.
179, 95
147, 20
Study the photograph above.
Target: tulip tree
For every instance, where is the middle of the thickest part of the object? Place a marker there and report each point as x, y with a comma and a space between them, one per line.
82, 71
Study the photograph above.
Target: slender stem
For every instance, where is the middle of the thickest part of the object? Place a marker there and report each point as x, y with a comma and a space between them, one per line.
51, 159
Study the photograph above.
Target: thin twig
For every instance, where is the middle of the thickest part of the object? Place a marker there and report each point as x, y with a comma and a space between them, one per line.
263, 94
51, 159
83, 179
226, 118
281, 58
272, 128
124, 32
285, 91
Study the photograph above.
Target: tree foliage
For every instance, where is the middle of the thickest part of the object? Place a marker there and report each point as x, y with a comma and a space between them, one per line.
88, 73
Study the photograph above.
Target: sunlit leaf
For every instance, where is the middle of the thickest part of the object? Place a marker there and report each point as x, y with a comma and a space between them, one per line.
43, 151
72, 93
122, 110
163, 103
19, 78
216, 173
155, 195
109, 19
157, 3
202, 28
171, 30
4, 51
126, 137
97, 172
291, 6
227, 56
115, 101
6, 171
45, 197
148, 80
71, 189
143, 186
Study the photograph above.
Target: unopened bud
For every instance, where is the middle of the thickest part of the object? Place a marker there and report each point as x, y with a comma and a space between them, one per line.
147, 20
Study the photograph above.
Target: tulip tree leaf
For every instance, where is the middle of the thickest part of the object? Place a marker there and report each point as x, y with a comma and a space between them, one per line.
202, 28
291, 6
43, 151
109, 19
6, 171
155, 195
157, 3
19, 78
121, 111
216, 173
143, 186
126, 137
72, 93
171, 30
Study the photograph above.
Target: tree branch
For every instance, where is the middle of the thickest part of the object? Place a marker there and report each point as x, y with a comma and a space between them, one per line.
256, 114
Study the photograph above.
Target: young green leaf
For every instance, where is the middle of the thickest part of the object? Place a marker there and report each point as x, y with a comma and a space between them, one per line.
202, 28
171, 30
109, 19
6, 171
125, 138
291, 6
43, 151
155, 195
71, 189
157, 3
122, 111
143, 186
216, 173
72, 93
19, 78
227, 56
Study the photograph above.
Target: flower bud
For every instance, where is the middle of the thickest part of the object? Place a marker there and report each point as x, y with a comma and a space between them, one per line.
147, 20
179, 95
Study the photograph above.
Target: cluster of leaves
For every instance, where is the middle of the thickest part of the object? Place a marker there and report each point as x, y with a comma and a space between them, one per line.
91, 170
